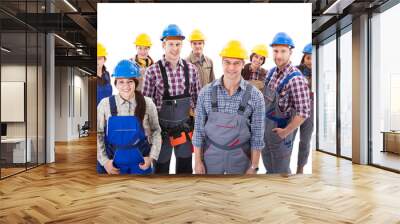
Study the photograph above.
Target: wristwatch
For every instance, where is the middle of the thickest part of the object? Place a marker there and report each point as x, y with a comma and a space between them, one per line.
254, 168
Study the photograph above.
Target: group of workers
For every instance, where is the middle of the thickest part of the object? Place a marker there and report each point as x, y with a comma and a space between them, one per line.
177, 105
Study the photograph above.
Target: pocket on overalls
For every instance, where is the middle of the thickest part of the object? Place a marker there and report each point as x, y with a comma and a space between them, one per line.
223, 131
282, 152
127, 157
213, 156
275, 139
238, 161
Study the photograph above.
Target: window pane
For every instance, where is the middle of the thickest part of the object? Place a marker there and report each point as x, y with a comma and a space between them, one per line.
385, 85
31, 101
327, 97
346, 93
13, 86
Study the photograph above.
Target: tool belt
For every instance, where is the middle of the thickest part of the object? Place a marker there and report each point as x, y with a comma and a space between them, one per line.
178, 134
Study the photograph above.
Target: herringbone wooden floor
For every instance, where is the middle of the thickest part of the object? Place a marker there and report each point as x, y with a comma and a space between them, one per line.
70, 191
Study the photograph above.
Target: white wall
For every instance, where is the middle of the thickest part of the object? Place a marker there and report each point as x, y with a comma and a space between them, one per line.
119, 24
79, 117
33, 126
13, 73
67, 115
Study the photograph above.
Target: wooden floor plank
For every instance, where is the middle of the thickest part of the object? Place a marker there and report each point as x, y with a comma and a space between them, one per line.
70, 191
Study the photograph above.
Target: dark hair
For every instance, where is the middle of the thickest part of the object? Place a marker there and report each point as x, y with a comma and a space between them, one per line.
103, 80
252, 55
140, 109
302, 59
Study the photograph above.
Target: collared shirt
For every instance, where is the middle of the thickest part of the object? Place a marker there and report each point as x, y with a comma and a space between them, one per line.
255, 111
127, 107
205, 68
249, 74
143, 64
153, 86
295, 94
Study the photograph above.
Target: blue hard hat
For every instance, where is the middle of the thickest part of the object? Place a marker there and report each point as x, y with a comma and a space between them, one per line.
308, 49
282, 38
172, 30
126, 69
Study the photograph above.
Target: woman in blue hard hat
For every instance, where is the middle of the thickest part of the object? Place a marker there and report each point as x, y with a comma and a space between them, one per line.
128, 132
306, 129
104, 88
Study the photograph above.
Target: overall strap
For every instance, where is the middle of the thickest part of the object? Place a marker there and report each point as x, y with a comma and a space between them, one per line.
165, 80
113, 106
245, 99
164, 75
214, 100
286, 80
186, 74
270, 73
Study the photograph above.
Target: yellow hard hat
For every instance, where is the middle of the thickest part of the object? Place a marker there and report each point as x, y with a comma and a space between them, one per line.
197, 35
143, 40
234, 49
260, 49
101, 50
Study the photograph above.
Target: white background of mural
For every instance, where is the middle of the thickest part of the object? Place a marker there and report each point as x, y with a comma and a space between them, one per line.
250, 23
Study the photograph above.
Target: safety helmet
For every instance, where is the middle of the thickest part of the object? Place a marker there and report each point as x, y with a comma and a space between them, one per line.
143, 40
101, 50
197, 35
282, 39
260, 49
126, 69
308, 49
234, 49
172, 30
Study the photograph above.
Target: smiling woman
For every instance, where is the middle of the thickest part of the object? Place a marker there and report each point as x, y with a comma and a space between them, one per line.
125, 133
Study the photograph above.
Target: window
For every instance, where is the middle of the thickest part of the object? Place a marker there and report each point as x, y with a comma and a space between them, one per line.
327, 96
346, 93
385, 89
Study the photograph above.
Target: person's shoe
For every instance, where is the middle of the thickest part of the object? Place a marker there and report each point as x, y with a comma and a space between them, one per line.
299, 170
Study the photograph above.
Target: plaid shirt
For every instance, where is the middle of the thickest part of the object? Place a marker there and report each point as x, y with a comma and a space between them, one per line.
295, 94
258, 75
153, 86
249, 74
255, 111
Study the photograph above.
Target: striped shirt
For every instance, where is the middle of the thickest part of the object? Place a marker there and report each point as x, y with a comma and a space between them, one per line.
153, 86
255, 111
295, 94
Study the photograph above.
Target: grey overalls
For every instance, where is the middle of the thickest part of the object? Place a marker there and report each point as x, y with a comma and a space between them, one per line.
174, 118
227, 147
277, 151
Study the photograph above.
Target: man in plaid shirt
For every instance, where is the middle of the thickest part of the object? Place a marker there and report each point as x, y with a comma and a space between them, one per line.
287, 104
173, 85
229, 128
